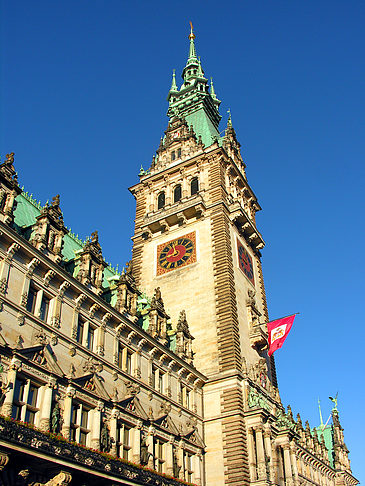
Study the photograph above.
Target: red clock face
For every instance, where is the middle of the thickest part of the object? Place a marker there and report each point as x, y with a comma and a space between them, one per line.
245, 262
176, 253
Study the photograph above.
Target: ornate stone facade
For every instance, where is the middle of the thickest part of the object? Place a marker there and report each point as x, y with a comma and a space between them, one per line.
99, 384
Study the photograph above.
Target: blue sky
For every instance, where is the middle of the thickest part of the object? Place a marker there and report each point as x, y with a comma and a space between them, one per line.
83, 97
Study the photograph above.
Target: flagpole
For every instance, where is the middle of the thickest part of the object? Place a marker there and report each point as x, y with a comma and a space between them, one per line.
294, 314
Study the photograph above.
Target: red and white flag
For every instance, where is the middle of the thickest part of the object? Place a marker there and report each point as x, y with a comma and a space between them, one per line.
278, 331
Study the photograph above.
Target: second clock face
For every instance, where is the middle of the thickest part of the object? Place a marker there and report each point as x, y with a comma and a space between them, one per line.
176, 253
245, 262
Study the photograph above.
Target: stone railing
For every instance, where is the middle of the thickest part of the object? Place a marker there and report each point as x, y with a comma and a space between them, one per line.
56, 446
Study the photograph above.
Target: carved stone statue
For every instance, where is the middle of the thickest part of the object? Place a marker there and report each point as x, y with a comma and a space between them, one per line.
144, 452
175, 465
56, 418
105, 441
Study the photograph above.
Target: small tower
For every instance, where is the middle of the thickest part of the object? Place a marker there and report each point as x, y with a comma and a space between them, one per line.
91, 264
49, 230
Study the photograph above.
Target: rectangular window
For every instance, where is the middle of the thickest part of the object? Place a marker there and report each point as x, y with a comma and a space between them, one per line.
79, 423
179, 153
126, 445
90, 338
123, 441
80, 330
128, 364
32, 297
160, 456
160, 381
189, 467
173, 155
120, 356
25, 401
43, 313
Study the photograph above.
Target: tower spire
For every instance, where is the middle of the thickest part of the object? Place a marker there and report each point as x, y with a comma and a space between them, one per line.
173, 84
192, 51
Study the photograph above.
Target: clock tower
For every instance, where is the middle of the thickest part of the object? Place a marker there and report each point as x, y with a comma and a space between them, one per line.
196, 239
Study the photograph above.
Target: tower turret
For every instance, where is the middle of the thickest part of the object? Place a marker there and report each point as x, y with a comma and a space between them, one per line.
194, 102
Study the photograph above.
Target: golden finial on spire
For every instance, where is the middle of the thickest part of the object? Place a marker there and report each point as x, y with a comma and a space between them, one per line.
191, 35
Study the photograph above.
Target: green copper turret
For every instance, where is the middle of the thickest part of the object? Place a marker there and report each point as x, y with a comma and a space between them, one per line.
193, 101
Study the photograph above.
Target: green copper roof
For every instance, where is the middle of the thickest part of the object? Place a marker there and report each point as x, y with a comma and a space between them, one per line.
193, 101
328, 439
203, 126
25, 216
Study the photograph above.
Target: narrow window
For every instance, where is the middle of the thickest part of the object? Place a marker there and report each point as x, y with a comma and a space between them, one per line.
18, 399
194, 186
83, 426
123, 441
32, 297
80, 330
31, 404
128, 364
43, 313
126, 445
173, 155
160, 457
179, 153
161, 200
160, 382
177, 193
90, 338
120, 356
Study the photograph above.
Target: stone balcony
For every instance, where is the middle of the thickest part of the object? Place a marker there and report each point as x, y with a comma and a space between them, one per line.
173, 214
22, 446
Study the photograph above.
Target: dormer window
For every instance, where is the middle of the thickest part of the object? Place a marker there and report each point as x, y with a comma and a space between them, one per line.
194, 186
161, 200
177, 193
173, 155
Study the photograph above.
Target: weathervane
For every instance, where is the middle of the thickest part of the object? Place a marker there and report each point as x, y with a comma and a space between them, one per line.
191, 35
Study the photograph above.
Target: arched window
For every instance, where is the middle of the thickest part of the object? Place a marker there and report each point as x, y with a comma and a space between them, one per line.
161, 200
177, 193
194, 186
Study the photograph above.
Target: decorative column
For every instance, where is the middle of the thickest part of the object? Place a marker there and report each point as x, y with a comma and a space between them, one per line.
180, 458
287, 465
96, 426
197, 469
261, 463
136, 450
170, 457
7, 407
268, 450
45, 422
67, 410
281, 465
149, 440
252, 453
294, 465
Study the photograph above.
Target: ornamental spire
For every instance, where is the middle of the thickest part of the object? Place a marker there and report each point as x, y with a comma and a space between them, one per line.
173, 84
192, 51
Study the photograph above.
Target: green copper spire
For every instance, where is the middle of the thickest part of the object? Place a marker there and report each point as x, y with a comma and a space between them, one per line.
173, 84
229, 121
192, 51
212, 91
194, 102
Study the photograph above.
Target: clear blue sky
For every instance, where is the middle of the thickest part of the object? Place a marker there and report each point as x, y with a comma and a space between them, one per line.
83, 96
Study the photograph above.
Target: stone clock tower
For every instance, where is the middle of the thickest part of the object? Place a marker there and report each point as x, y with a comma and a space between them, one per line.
196, 239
